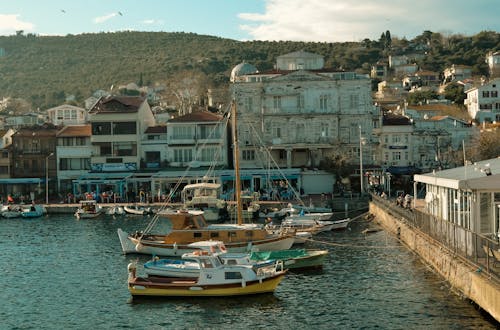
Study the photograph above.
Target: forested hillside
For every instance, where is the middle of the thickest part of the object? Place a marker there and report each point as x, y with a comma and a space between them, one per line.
45, 69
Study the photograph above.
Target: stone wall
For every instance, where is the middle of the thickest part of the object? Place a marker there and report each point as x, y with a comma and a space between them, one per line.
461, 275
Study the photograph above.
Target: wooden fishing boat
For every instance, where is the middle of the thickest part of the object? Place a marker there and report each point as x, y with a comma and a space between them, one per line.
214, 279
190, 226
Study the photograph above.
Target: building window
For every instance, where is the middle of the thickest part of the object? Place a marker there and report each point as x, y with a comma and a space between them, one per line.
99, 128
67, 164
386, 156
248, 104
300, 101
396, 155
182, 133
323, 102
300, 132
276, 102
209, 132
396, 139
248, 154
282, 155
486, 93
276, 132
325, 130
183, 155
494, 94
121, 128
125, 149
208, 154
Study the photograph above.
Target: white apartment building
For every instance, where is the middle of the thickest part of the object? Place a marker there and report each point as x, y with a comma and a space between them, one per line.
300, 112
73, 152
483, 102
197, 139
118, 125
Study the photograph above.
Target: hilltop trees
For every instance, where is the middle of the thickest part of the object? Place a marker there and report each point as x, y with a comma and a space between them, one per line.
34, 67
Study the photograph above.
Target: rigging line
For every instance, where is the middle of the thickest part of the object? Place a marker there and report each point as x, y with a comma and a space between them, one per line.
261, 143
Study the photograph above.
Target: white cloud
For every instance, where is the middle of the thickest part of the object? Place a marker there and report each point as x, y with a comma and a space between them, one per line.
102, 19
347, 20
12, 23
152, 22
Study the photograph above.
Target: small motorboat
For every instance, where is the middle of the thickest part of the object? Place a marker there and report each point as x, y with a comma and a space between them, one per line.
191, 268
88, 209
137, 209
33, 211
215, 279
115, 210
11, 211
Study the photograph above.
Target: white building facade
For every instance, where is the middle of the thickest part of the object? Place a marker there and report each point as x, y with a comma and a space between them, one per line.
300, 112
483, 102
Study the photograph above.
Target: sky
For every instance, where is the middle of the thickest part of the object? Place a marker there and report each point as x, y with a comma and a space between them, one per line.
271, 20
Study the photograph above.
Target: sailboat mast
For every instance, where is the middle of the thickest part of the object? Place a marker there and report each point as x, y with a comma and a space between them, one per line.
236, 151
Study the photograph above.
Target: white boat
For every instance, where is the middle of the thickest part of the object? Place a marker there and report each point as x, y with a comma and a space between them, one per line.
306, 225
187, 267
33, 211
341, 224
137, 209
11, 211
301, 237
215, 279
204, 196
88, 209
277, 213
115, 210
324, 216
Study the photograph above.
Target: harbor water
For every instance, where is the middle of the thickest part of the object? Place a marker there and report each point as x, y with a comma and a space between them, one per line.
62, 273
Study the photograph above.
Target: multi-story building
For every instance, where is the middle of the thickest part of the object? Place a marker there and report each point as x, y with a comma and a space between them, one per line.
483, 102
493, 60
5, 142
33, 154
457, 72
154, 146
118, 124
197, 139
300, 112
73, 155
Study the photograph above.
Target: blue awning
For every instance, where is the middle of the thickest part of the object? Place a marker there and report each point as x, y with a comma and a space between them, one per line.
21, 181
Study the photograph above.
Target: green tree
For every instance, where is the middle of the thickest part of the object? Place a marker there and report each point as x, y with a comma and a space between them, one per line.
455, 93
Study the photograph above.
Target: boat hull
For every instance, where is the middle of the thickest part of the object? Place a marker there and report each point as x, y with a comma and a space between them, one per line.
134, 245
186, 288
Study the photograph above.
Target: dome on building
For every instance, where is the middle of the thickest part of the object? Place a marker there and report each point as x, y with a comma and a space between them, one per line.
242, 69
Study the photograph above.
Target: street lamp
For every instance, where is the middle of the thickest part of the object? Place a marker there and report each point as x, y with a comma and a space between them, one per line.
47, 178
362, 141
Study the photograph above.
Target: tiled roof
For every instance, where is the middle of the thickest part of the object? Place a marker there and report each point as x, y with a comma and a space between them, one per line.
117, 104
198, 116
156, 129
392, 119
75, 130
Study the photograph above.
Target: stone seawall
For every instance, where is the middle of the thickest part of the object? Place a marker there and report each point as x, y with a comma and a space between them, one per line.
461, 275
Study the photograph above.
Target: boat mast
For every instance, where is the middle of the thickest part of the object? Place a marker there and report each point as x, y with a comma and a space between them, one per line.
237, 186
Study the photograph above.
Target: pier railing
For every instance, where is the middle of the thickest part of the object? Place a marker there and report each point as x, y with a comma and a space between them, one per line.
480, 250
